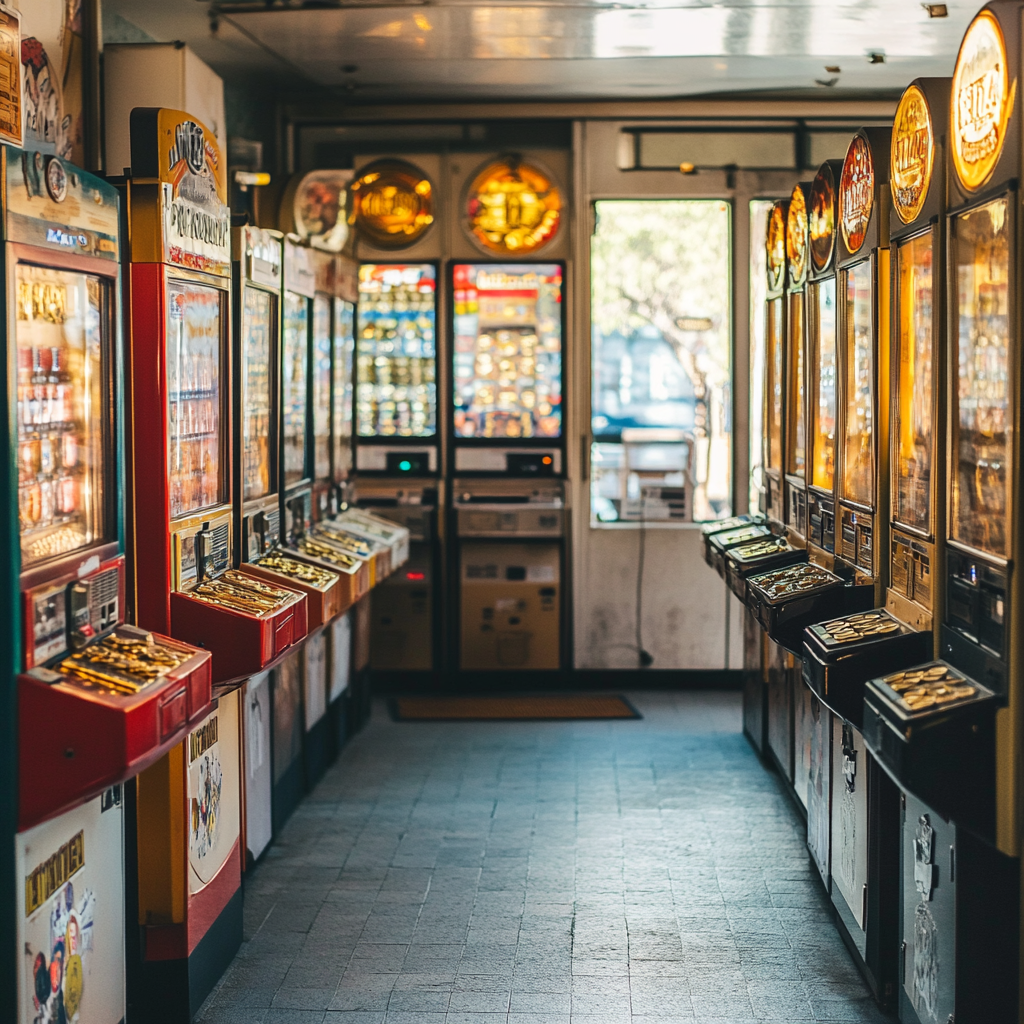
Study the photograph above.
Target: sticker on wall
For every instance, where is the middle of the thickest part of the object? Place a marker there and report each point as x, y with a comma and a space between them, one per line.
513, 208
206, 783
11, 127
821, 219
981, 101
856, 193
913, 154
391, 204
315, 207
776, 246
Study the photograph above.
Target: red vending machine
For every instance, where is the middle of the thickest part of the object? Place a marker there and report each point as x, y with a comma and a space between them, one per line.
97, 701
181, 521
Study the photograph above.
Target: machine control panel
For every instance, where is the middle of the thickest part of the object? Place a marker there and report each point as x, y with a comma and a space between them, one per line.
509, 507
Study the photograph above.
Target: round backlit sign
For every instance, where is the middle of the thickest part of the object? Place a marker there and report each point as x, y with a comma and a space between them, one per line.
776, 246
856, 193
513, 208
392, 203
913, 154
821, 219
796, 236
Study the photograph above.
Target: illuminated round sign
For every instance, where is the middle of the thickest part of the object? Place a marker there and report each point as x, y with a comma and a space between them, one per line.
913, 154
776, 246
513, 208
980, 101
392, 203
317, 209
856, 193
796, 236
821, 219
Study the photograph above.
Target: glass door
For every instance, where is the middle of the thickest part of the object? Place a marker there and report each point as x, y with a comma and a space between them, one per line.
823, 383
64, 412
294, 387
258, 372
796, 428
322, 344
344, 350
859, 386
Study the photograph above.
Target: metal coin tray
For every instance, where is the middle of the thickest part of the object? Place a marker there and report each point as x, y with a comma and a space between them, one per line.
932, 728
722, 542
840, 655
758, 556
709, 530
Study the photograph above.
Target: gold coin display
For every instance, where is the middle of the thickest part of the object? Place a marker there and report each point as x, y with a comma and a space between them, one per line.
793, 579
859, 626
935, 685
124, 664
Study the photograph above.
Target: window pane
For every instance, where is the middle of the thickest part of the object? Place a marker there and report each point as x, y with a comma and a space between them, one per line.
321, 387
661, 323
508, 349
257, 327
195, 396
796, 433
982, 415
915, 382
294, 357
859, 354
823, 390
61, 411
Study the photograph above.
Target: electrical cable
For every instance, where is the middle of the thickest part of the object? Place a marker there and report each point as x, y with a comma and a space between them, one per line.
645, 657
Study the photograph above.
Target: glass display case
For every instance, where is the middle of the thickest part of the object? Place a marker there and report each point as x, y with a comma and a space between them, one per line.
322, 344
774, 390
508, 350
257, 372
823, 389
396, 391
64, 455
915, 383
195, 396
796, 432
344, 350
981, 413
858, 437
294, 361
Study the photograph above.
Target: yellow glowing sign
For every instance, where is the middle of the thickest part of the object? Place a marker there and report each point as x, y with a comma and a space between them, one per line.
513, 208
856, 193
980, 101
392, 204
776, 246
913, 154
822, 217
796, 236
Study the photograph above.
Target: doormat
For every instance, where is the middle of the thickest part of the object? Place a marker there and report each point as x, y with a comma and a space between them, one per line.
510, 709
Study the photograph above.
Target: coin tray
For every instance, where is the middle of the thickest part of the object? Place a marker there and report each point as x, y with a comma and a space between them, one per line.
709, 530
840, 655
756, 557
722, 542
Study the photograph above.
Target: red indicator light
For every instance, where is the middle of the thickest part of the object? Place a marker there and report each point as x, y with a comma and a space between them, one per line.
546, 460
415, 575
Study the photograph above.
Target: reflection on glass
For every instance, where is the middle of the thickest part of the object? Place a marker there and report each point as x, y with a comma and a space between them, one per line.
796, 448
194, 396
344, 347
397, 392
293, 386
321, 387
982, 416
915, 382
823, 366
508, 350
257, 330
859, 356
775, 348
61, 471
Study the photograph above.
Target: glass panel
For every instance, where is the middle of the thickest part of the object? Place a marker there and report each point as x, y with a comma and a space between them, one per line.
195, 330
293, 363
915, 383
397, 392
796, 434
982, 417
823, 367
859, 356
661, 315
257, 374
62, 466
344, 347
759, 211
508, 350
321, 387
776, 346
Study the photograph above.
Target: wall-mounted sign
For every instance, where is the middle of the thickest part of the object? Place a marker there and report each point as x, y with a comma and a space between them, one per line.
11, 129
981, 101
913, 154
796, 236
821, 218
391, 204
776, 246
856, 193
513, 208
315, 209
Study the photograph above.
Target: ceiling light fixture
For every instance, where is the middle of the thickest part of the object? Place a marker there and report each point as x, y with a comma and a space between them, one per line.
686, 168
936, 10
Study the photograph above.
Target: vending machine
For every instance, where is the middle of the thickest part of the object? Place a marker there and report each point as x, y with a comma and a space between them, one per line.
97, 700
508, 494
948, 730
181, 516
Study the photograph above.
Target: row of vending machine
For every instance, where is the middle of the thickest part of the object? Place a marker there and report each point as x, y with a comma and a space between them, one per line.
885, 609
186, 585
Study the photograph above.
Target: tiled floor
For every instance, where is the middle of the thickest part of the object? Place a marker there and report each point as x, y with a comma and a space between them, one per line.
543, 873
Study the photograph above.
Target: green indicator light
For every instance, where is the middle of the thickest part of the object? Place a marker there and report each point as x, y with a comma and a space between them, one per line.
405, 465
